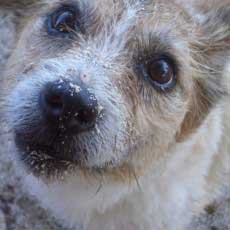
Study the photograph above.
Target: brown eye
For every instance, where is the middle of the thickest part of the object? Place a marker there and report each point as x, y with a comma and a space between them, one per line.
160, 73
64, 20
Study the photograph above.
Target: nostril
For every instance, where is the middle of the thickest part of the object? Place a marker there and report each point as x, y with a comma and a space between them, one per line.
87, 116
54, 104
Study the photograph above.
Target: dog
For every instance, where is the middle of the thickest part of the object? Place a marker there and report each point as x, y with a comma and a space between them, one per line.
119, 109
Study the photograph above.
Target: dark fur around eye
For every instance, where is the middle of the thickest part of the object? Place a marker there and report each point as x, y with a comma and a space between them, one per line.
159, 71
65, 20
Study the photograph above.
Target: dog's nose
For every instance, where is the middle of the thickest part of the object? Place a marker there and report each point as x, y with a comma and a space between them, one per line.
70, 104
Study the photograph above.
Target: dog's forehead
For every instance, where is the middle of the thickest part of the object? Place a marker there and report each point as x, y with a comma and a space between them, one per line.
104, 3
124, 27
113, 8
145, 15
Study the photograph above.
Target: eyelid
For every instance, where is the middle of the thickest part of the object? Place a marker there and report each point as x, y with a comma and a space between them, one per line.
142, 70
169, 58
61, 18
50, 27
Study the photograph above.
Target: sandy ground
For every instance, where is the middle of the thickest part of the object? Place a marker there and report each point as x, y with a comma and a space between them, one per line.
19, 211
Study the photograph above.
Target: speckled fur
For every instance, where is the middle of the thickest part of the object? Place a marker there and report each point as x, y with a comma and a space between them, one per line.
170, 173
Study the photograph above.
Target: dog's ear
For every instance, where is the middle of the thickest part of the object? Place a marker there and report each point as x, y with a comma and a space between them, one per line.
19, 8
210, 49
17, 4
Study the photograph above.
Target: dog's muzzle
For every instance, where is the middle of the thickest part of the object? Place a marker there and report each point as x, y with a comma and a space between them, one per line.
67, 109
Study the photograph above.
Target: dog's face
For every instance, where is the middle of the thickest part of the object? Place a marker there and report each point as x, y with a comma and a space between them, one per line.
104, 87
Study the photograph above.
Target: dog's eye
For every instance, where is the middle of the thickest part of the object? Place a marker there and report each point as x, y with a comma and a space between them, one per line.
64, 20
160, 73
